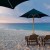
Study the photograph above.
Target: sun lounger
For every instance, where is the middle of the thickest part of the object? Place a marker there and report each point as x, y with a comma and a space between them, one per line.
46, 40
32, 39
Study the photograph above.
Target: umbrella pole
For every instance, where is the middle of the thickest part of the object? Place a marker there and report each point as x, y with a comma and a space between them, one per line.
33, 24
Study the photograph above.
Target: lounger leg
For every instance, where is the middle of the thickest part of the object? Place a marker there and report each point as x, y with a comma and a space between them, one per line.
27, 43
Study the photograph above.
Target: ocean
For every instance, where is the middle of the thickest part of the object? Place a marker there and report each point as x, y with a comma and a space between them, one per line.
25, 26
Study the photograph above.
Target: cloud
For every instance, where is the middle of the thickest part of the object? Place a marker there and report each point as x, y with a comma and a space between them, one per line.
47, 5
4, 19
11, 16
42, 20
10, 12
46, 19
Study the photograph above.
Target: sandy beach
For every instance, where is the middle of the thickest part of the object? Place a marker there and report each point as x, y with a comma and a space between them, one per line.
10, 38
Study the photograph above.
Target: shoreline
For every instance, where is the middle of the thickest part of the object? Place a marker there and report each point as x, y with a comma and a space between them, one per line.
38, 32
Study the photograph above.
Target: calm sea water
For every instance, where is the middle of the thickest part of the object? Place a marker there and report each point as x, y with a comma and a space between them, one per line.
25, 26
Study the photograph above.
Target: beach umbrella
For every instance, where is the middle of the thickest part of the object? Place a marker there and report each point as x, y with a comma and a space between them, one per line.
10, 3
33, 14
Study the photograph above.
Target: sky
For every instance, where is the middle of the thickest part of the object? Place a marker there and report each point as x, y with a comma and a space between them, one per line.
8, 15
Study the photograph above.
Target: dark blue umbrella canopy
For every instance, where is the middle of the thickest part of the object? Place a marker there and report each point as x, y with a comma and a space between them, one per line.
11, 3
34, 13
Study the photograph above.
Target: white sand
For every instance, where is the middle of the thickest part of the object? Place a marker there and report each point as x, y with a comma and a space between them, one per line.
42, 33
9, 38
